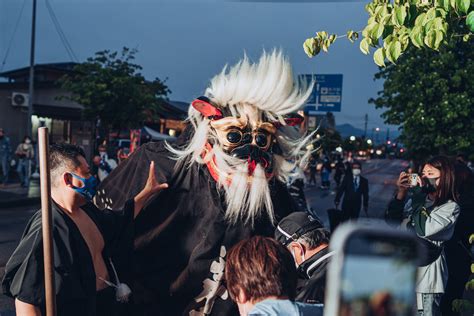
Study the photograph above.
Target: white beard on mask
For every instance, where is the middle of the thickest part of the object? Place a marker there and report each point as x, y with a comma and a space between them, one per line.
247, 196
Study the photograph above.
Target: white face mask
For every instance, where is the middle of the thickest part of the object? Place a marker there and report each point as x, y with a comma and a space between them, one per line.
356, 172
27, 141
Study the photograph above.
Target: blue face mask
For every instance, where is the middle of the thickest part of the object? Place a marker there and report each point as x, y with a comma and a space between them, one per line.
89, 189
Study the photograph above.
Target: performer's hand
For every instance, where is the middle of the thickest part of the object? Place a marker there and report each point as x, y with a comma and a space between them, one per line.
152, 186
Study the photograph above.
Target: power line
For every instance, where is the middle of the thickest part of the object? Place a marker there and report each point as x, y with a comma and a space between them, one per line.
60, 32
7, 52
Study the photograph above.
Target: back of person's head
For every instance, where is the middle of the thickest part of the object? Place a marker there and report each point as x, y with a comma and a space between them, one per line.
464, 179
302, 228
258, 268
445, 190
315, 238
64, 158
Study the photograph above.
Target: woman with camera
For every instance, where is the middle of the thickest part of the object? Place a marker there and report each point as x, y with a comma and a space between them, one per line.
427, 205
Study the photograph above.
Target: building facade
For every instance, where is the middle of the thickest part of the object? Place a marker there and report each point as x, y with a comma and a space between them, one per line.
50, 107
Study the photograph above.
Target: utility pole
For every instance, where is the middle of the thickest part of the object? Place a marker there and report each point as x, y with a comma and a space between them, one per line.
365, 128
32, 72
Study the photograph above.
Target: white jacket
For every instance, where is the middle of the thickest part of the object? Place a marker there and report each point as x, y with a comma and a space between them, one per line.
439, 228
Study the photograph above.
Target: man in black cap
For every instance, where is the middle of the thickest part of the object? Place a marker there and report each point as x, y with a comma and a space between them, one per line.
307, 240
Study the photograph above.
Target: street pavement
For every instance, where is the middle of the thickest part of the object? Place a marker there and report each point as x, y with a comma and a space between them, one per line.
14, 195
12, 224
381, 174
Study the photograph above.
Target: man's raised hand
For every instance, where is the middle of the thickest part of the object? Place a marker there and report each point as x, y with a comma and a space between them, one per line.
152, 187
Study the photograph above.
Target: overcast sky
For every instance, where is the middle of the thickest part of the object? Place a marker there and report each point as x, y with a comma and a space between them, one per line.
190, 41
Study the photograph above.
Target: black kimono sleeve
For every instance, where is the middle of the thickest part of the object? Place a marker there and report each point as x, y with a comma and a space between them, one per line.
24, 272
129, 178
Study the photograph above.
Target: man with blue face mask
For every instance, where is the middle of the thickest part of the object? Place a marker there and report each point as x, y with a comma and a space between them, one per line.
355, 189
86, 243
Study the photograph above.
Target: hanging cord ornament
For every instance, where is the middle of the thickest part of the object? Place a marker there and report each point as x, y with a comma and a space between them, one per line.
122, 290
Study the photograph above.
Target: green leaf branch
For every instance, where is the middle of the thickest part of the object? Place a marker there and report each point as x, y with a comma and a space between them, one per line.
395, 25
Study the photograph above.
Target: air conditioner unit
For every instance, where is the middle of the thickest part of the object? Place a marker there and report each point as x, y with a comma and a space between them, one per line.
20, 99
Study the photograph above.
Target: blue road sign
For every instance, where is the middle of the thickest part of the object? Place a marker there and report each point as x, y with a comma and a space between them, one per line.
326, 95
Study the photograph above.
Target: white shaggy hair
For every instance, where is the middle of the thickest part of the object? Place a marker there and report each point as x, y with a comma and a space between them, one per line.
257, 91
267, 85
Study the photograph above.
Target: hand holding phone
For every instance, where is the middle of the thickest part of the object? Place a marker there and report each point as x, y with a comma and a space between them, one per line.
403, 182
414, 179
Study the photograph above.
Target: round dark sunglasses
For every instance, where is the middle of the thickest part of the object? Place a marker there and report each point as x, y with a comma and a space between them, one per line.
236, 137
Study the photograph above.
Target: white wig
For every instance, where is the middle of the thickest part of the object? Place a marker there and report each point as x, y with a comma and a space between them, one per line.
263, 90
267, 85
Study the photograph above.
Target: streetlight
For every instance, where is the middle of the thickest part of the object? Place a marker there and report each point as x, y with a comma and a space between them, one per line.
377, 130
352, 138
339, 149
369, 141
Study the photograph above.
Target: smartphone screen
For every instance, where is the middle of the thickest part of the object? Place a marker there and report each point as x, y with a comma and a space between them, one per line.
378, 276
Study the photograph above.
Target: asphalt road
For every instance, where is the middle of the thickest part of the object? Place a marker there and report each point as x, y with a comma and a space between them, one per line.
12, 224
380, 173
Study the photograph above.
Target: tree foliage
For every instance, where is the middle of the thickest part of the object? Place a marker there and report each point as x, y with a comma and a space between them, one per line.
328, 139
462, 305
431, 95
395, 26
112, 89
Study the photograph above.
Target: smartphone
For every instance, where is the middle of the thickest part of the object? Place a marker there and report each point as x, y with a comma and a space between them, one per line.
413, 179
372, 272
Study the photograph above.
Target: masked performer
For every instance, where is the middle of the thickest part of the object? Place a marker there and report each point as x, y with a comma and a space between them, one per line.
226, 180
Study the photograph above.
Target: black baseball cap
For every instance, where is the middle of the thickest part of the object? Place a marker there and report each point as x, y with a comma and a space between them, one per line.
292, 227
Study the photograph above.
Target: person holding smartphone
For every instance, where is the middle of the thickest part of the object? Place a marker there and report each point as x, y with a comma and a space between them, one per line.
431, 212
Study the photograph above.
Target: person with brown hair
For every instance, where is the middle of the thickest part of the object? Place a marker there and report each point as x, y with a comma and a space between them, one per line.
260, 274
431, 212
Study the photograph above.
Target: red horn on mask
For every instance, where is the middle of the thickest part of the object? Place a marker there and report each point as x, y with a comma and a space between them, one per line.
203, 105
292, 119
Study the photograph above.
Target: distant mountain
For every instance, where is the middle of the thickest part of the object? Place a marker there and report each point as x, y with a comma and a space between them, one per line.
347, 130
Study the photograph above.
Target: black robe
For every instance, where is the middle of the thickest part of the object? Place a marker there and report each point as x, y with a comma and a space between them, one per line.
74, 273
182, 237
